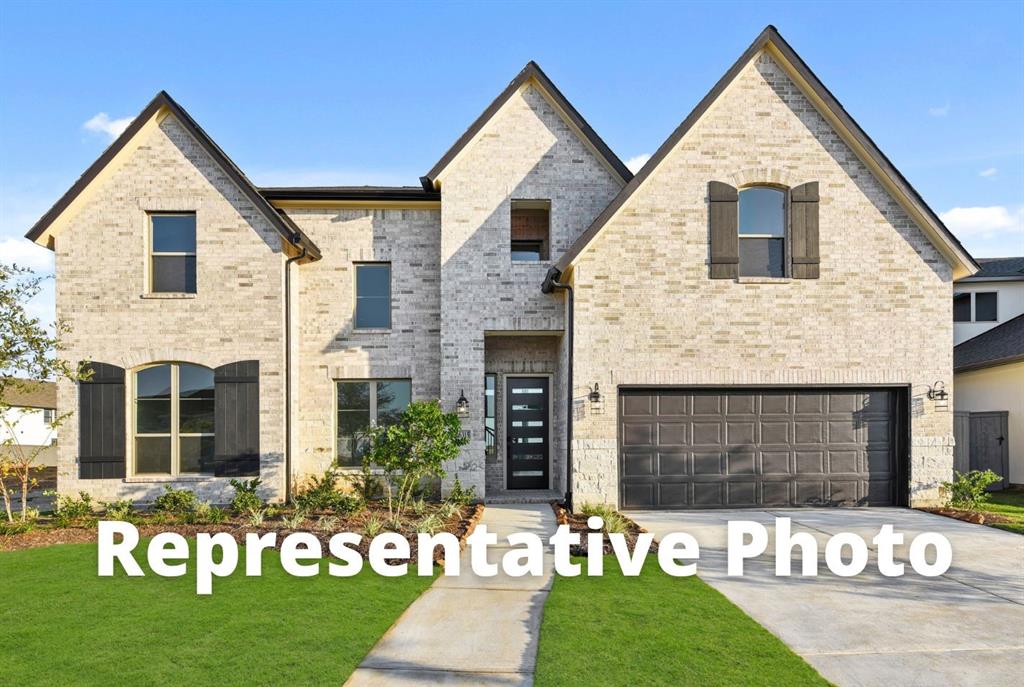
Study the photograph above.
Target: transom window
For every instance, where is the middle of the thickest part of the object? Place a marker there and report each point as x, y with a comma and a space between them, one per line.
364, 404
531, 229
373, 295
980, 306
174, 419
172, 267
762, 232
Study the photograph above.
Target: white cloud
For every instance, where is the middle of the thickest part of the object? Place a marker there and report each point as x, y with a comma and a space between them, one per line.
940, 111
103, 124
990, 172
637, 161
24, 253
984, 222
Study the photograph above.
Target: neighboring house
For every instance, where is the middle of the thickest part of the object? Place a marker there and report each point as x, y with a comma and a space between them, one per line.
756, 318
989, 298
29, 418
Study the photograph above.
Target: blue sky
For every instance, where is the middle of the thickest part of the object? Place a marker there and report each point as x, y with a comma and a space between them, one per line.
330, 93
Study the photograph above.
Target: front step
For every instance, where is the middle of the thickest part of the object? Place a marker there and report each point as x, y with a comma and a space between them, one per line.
525, 496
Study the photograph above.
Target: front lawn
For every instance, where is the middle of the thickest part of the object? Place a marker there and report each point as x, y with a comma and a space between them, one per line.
1010, 505
60, 624
657, 630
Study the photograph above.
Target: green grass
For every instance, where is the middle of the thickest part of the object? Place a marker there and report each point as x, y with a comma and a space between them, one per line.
60, 624
657, 630
1009, 504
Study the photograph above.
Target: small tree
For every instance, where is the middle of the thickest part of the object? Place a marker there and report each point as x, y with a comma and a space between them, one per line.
28, 349
414, 448
969, 490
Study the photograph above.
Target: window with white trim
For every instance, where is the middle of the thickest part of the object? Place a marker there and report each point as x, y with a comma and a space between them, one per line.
976, 306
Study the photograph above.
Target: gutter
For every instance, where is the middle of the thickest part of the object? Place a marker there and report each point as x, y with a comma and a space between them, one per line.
550, 285
296, 239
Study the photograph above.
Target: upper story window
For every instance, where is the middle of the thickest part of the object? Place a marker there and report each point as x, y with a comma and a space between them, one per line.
174, 419
762, 232
980, 306
364, 404
373, 295
172, 246
531, 230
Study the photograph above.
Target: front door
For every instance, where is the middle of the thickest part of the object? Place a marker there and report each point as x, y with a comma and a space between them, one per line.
528, 435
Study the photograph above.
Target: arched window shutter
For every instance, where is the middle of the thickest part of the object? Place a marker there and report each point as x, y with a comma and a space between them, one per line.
101, 428
237, 419
724, 219
803, 204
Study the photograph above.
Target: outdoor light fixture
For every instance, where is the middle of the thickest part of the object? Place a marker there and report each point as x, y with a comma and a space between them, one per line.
462, 405
937, 392
595, 398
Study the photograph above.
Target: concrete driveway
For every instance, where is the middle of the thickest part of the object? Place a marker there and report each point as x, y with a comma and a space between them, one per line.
963, 628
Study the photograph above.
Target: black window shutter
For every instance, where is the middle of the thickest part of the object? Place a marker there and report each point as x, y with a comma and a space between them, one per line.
724, 221
236, 419
101, 430
803, 211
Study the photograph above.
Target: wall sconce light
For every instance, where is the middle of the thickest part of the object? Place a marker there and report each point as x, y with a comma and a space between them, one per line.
937, 392
462, 405
596, 403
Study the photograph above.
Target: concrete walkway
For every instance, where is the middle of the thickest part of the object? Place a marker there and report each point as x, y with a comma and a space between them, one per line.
468, 630
962, 628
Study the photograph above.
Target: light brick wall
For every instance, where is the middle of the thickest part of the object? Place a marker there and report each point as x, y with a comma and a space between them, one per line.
526, 151
647, 313
330, 349
237, 313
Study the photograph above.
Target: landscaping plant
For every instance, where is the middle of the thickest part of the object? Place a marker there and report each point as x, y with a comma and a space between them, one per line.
29, 351
413, 449
461, 496
246, 500
969, 490
69, 509
121, 510
176, 501
613, 520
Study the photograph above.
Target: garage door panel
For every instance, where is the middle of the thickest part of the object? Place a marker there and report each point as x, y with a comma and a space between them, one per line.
770, 448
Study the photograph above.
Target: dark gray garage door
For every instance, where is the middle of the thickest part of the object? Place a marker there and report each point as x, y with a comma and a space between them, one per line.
726, 448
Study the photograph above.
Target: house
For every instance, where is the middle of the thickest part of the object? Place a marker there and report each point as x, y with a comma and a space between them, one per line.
758, 317
27, 421
988, 364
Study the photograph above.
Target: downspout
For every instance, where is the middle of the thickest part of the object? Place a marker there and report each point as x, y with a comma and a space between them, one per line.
551, 284
295, 238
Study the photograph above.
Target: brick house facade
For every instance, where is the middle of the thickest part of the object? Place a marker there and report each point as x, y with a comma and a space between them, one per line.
685, 390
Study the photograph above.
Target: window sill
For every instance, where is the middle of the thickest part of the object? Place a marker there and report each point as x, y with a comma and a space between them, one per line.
370, 330
147, 479
763, 280
167, 296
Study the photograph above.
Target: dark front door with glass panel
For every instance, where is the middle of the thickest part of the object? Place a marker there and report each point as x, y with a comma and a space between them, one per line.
528, 435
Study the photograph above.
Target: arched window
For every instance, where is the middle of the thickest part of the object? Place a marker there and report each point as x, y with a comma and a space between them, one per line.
762, 232
174, 425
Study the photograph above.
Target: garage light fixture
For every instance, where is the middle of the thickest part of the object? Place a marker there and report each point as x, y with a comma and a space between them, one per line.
462, 405
596, 403
937, 392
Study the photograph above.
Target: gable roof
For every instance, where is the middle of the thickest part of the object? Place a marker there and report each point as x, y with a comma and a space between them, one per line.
780, 50
998, 346
531, 71
999, 269
280, 221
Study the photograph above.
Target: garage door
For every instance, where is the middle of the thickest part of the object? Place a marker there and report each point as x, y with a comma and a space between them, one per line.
726, 448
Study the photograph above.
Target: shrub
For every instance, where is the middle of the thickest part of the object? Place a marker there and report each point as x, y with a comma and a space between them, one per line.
366, 484
320, 493
414, 448
246, 500
120, 510
69, 509
12, 527
205, 514
346, 504
969, 490
461, 496
431, 524
176, 501
613, 520
373, 526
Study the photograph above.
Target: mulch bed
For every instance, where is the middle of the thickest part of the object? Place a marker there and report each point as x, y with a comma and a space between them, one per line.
461, 525
577, 522
975, 517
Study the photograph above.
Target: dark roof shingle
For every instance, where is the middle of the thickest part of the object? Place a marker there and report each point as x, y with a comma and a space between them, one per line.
997, 346
1000, 268
30, 393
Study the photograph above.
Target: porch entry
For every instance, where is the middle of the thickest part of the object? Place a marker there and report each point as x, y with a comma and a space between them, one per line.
528, 432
